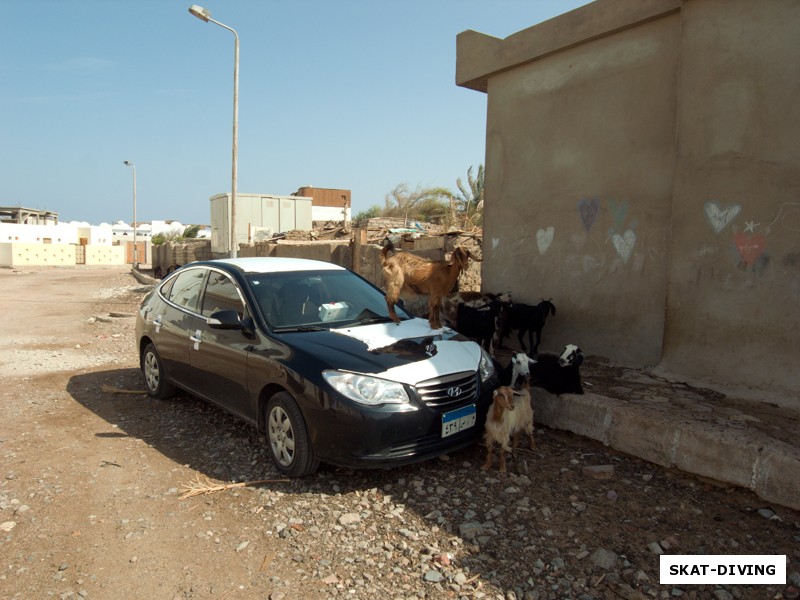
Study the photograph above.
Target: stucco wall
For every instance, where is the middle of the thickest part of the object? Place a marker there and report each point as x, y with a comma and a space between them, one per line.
643, 170
20, 255
734, 296
579, 164
104, 255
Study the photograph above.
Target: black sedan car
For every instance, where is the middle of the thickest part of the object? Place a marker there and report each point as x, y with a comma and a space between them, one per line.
305, 351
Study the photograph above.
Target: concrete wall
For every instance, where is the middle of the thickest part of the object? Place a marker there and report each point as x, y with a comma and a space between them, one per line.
105, 255
734, 295
642, 171
22, 255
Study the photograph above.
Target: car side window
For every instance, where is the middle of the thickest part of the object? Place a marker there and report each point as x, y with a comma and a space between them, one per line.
186, 289
221, 294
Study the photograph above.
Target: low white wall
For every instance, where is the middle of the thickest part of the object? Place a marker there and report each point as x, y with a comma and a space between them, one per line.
105, 255
19, 254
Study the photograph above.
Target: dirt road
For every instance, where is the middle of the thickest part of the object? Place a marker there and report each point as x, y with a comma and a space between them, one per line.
92, 482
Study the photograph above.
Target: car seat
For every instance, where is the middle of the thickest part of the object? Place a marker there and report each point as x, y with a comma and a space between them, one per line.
299, 303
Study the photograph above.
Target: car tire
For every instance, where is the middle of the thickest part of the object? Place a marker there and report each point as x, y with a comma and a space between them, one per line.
287, 437
154, 376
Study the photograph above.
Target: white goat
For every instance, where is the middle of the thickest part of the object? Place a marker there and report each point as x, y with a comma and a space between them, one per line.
519, 367
511, 413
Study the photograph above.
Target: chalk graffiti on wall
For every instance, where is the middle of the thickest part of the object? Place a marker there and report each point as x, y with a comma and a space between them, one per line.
579, 252
720, 217
588, 209
544, 237
623, 242
750, 248
748, 245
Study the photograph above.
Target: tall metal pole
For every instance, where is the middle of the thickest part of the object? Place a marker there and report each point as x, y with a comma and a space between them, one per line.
205, 15
235, 153
135, 256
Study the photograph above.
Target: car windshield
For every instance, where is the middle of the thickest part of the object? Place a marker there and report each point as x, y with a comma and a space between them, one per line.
317, 299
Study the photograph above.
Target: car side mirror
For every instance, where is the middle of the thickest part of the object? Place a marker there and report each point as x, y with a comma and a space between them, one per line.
224, 319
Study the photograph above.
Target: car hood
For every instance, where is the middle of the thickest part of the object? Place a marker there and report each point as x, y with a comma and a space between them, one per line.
408, 352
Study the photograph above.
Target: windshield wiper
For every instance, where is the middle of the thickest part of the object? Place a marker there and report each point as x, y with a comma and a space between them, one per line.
293, 329
370, 319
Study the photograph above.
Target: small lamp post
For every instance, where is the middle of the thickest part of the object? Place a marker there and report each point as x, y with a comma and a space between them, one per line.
135, 256
205, 15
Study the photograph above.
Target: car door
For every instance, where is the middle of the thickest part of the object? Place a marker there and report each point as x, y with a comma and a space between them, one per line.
175, 322
218, 357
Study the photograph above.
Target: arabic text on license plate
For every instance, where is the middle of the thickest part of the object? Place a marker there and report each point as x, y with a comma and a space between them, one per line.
458, 420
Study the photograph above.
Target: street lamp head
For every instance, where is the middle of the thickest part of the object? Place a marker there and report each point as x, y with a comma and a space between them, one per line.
127, 163
200, 12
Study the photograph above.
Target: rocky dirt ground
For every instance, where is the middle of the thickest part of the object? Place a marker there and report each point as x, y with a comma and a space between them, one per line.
95, 483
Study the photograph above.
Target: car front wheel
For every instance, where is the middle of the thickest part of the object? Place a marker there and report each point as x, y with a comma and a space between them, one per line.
154, 377
288, 438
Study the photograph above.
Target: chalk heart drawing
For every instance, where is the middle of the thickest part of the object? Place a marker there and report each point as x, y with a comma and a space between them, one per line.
750, 247
588, 210
720, 217
619, 211
624, 243
544, 237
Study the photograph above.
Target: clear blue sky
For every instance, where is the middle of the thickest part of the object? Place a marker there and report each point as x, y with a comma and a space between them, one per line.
358, 95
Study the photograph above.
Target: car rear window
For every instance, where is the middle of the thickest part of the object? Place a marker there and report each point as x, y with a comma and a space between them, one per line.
185, 291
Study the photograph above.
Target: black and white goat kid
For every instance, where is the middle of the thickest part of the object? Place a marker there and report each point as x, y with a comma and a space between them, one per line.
516, 372
558, 374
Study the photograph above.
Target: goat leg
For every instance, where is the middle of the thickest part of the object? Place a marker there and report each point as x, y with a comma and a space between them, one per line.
488, 462
535, 349
434, 306
393, 287
520, 337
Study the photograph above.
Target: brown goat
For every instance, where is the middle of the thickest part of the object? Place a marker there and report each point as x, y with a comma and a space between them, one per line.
510, 415
410, 273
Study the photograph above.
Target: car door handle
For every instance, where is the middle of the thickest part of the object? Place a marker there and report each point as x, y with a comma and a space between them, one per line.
157, 323
197, 338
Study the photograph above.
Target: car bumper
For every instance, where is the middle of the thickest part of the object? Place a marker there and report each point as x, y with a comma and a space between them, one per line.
362, 437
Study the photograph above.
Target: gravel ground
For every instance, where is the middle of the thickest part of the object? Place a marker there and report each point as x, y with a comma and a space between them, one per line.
95, 501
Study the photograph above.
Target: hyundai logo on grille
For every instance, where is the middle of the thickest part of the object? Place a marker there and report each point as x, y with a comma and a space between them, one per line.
454, 391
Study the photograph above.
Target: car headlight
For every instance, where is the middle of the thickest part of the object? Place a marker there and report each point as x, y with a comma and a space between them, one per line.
486, 366
365, 389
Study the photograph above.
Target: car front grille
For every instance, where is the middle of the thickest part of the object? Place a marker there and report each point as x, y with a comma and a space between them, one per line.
450, 389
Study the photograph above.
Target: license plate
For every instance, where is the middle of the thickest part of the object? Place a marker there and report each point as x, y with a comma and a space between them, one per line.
458, 420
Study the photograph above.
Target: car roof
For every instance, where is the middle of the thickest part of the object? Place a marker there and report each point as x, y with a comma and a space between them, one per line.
277, 264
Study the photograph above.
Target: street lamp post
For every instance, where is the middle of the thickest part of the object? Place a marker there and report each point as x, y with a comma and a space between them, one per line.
135, 257
205, 15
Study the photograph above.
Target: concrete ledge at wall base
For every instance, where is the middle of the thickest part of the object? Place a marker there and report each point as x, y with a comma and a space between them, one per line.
144, 277
742, 457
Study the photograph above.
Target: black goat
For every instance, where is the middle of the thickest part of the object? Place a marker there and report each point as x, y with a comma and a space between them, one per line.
558, 374
450, 304
524, 317
478, 323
